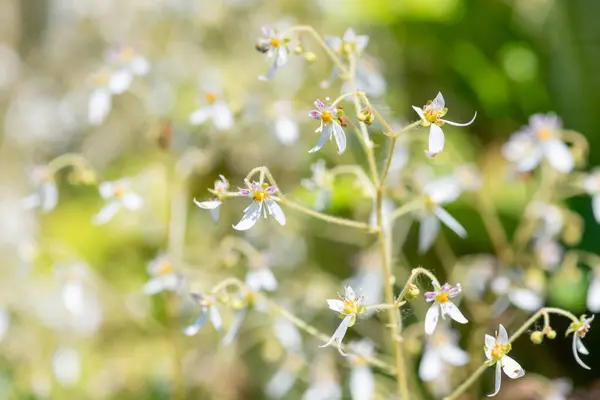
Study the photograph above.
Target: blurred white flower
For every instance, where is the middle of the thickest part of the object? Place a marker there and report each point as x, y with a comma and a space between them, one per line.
260, 206
46, 192
348, 306
66, 365
260, 276
324, 382
541, 138
220, 188
441, 351
329, 128
350, 43
591, 184
117, 195
362, 380
163, 276
431, 115
441, 298
558, 389
579, 330
208, 310
214, 109
524, 290
496, 350
321, 182
593, 293
275, 46
286, 128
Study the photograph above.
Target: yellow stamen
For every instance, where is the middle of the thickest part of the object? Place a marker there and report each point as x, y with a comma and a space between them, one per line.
210, 97
326, 116
120, 191
260, 195
127, 53
544, 134
165, 269
275, 42
441, 297
350, 307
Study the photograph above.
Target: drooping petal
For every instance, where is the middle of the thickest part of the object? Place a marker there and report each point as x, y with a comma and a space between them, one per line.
120, 81
282, 56
196, 325
454, 313
576, 353
431, 366
498, 380
222, 116
321, 142
431, 318
250, 217
339, 334
512, 368
200, 116
340, 137
596, 207
454, 355
490, 342
458, 124
450, 222
559, 155
215, 318
362, 383
593, 295
106, 213
208, 204
132, 201
581, 348
336, 305
235, 327
275, 210
436, 140
428, 231
271, 73
502, 335
99, 106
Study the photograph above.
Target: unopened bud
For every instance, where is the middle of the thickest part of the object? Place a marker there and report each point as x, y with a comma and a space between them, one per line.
298, 49
412, 291
309, 56
537, 337
551, 334
365, 116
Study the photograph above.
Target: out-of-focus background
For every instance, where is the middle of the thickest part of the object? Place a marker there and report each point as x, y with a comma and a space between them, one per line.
74, 321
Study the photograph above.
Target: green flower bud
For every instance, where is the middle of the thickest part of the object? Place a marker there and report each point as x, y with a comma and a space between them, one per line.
412, 291
551, 334
309, 56
537, 337
299, 49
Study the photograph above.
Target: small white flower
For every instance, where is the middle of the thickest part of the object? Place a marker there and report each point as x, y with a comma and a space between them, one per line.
215, 109
286, 128
260, 206
208, 310
321, 182
118, 195
441, 298
349, 44
329, 128
524, 290
591, 184
593, 294
349, 306
163, 276
274, 45
46, 191
220, 188
260, 276
496, 350
579, 330
441, 349
526, 148
431, 115
362, 380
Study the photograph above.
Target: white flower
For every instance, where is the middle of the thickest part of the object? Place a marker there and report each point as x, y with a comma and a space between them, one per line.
496, 350
349, 306
286, 128
163, 276
441, 302
436, 193
274, 45
593, 294
591, 185
208, 310
579, 330
46, 191
321, 182
220, 188
349, 44
261, 205
215, 109
441, 348
329, 128
431, 115
261, 277
541, 138
66, 366
362, 381
118, 195
549, 218
525, 291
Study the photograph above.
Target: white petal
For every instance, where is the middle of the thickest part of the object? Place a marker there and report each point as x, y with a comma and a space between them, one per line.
215, 318
512, 368
431, 318
282, 56
99, 106
340, 137
107, 190
450, 222
275, 210
132, 201
428, 231
280, 384
525, 299
530, 160
339, 334
140, 66
288, 335
502, 335
498, 380
215, 213
361, 42
454, 355
362, 383
593, 295
454, 313
222, 116
576, 353
458, 124
120, 81
200, 116
66, 365
336, 305
154, 286
438, 103
559, 156
431, 366
349, 293
490, 342
107, 213
334, 42
436, 139
321, 142
443, 190
581, 348
596, 207
196, 325
208, 204
250, 217
49, 196
419, 111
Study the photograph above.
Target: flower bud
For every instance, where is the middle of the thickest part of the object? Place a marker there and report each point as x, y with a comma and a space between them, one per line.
298, 49
309, 56
412, 291
551, 334
365, 116
537, 337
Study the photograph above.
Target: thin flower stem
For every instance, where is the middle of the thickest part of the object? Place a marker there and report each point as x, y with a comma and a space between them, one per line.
66, 160
406, 209
237, 243
264, 171
363, 128
319, 39
414, 274
542, 312
325, 217
385, 306
356, 171
388, 162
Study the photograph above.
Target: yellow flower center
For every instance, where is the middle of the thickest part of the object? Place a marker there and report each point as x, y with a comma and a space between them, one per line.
120, 191
127, 53
499, 351
165, 268
430, 114
260, 195
429, 203
441, 297
544, 134
210, 97
350, 307
326, 116
275, 42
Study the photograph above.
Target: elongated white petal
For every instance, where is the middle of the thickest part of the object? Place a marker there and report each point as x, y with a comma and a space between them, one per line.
120, 81
361, 42
593, 295
340, 137
419, 111
282, 56
250, 217
428, 231
362, 383
450, 222
235, 327
458, 124
106, 213
438, 103
559, 156
454, 313
339, 334
31, 201
576, 353
275, 210
512, 368
336, 305
454, 355
502, 335
49, 195
215, 318
596, 207
107, 190
215, 213
498, 380
196, 325
99, 106
222, 116
490, 342
581, 348
132, 201
160, 283
208, 204
431, 318
436, 140
200, 116
431, 366
271, 73
280, 384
